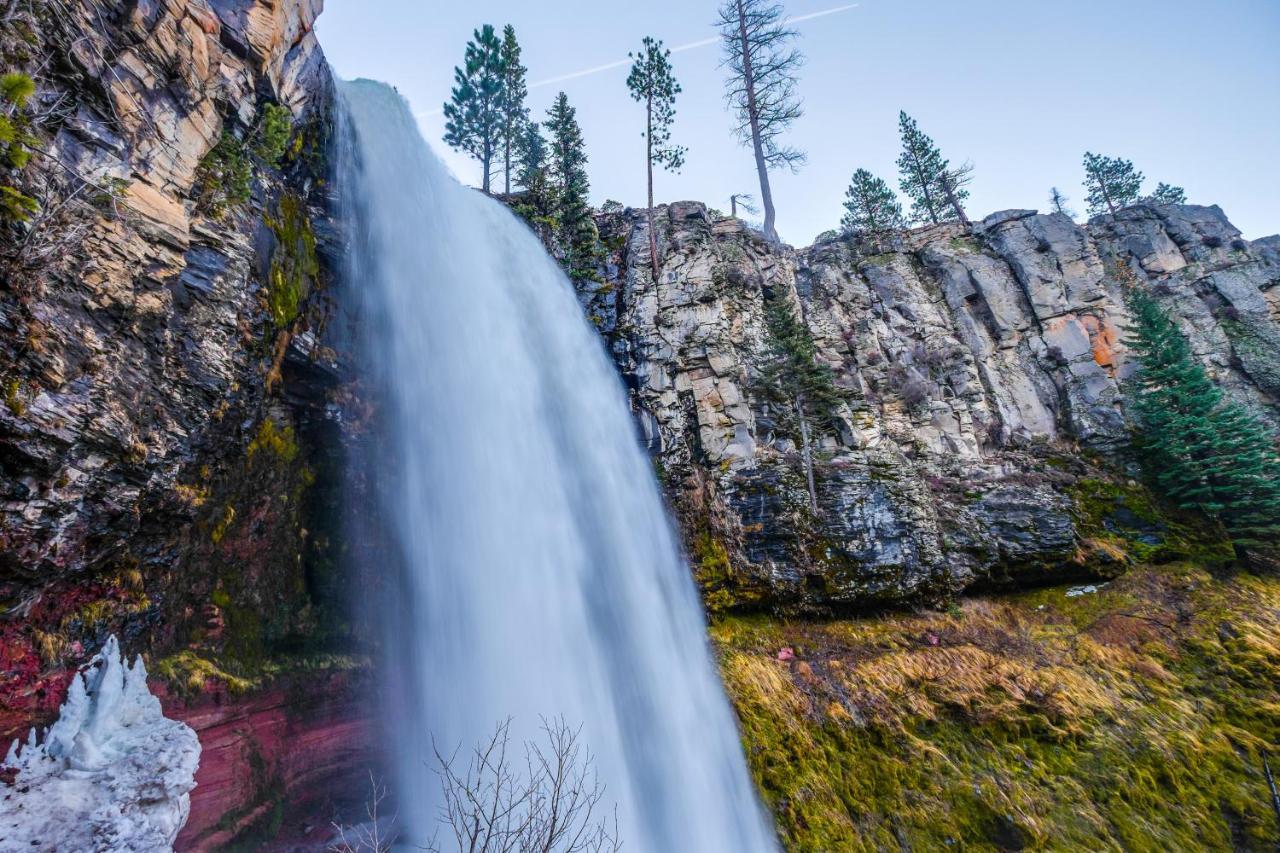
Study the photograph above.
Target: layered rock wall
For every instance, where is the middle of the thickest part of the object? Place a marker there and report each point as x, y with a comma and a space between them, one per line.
983, 375
169, 463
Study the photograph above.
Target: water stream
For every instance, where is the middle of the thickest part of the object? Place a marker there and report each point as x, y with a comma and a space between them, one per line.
539, 573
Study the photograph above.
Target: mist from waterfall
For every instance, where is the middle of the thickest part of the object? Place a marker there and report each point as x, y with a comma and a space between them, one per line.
537, 574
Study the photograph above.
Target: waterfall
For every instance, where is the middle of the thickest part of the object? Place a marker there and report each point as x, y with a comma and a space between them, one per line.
538, 574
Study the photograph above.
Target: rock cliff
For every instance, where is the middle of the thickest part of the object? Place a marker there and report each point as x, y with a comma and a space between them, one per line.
169, 465
982, 436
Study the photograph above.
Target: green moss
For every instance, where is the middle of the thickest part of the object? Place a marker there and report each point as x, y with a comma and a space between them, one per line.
14, 400
190, 673
1125, 520
223, 524
281, 442
294, 264
1134, 718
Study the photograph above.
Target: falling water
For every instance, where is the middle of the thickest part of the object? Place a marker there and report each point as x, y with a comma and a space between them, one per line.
540, 574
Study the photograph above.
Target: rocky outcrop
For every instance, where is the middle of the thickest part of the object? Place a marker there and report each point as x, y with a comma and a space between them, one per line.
169, 456
983, 376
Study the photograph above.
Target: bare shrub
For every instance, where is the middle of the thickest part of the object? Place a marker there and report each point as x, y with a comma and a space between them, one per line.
491, 805
552, 807
372, 836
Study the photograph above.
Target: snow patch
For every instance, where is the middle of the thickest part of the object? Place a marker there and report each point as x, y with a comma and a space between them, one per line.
112, 774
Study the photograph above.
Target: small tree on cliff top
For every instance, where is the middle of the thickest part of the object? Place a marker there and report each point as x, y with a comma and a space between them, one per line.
937, 191
1168, 194
761, 88
576, 229
652, 83
1058, 202
870, 205
474, 114
794, 378
1111, 182
1203, 450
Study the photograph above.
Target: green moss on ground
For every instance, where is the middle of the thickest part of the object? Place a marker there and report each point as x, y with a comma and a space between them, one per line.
1133, 718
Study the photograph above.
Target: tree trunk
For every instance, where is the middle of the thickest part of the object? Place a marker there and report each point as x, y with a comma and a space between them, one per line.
806, 452
1271, 783
753, 113
506, 159
1106, 194
924, 188
954, 201
653, 232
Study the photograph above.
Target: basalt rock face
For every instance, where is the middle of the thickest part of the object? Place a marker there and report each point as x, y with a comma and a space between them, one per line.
169, 458
983, 376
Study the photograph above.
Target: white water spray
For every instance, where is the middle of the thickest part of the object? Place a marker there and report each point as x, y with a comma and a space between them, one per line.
540, 575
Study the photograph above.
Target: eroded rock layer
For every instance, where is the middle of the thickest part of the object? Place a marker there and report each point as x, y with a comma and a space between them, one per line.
983, 375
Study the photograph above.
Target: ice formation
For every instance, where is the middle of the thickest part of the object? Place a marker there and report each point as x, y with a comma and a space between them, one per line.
112, 774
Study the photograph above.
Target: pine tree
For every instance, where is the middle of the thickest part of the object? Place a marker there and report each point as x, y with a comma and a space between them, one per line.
652, 83
937, 191
1203, 450
515, 115
761, 88
576, 228
1058, 202
1167, 194
870, 205
1112, 183
793, 377
474, 115
538, 202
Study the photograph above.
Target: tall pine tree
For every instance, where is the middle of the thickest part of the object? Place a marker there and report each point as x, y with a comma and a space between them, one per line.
761, 88
1111, 182
515, 115
870, 205
576, 228
936, 190
653, 84
1203, 450
794, 379
474, 114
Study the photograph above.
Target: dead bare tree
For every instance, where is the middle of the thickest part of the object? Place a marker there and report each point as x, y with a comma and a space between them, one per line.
552, 807
761, 89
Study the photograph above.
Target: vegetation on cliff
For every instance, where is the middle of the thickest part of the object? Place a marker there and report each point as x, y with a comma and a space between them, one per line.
1089, 719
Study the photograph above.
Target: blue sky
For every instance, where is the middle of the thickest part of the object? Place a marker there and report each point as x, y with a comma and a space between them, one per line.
1190, 91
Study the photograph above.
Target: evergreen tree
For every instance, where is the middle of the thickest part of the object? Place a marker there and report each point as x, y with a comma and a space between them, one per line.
515, 115
1167, 194
474, 115
870, 205
652, 83
794, 378
538, 203
576, 228
1203, 450
1112, 183
761, 88
1058, 202
936, 190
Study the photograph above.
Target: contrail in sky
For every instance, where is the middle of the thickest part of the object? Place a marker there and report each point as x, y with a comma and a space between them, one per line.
693, 45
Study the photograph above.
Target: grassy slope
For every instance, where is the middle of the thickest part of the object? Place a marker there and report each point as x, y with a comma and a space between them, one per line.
1134, 719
